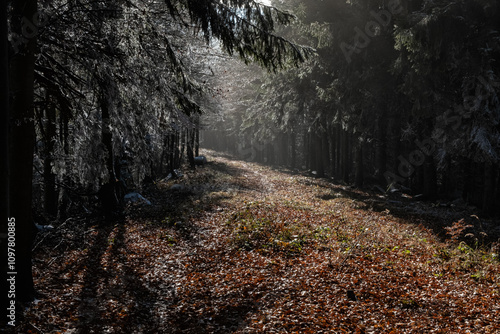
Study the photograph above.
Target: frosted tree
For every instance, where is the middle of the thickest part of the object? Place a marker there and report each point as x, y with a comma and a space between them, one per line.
121, 56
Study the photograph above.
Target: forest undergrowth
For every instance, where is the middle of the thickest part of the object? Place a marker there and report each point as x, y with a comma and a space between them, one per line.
243, 248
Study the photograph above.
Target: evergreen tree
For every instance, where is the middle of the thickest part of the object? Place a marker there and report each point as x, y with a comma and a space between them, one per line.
87, 60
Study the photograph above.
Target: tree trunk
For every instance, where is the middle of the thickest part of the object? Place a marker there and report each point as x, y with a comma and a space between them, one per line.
284, 149
171, 151
64, 200
270, 160
307, 150
320, 158
326, 152
189, 147
178, 149
164, 149
430, 178
359, 165
468, 177
4, 151
4, 120
64, 130
338, 144
110, 193
346, 163
22, 137
183, 136
381, 149
197, 136
447, 185
477, 193
489, 188
496, 201
50, 193
330, 147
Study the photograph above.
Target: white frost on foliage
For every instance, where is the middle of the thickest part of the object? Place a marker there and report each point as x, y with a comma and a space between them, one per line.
479, 137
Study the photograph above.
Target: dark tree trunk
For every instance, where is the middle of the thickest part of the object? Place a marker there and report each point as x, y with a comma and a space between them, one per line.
489, 188
359, 165
50, 193
293, 149
110, 194
346, 162
171, 150
447, 185
417, 180
183, 136
159, 170
4, 110
496, 201
270, 156
107, 141
189, 147
4, 151
174, 142
394, 141
338, 144
284, 149
468, 177
331, 148
64, 130
64, 201
477, 192
325, 152
22, 136
381, 149
307, 150
320, 158
430, 178
197, 136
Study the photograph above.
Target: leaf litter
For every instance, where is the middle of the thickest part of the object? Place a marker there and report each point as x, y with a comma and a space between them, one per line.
250, 249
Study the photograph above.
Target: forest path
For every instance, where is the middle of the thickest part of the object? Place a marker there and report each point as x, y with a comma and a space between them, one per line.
245, 248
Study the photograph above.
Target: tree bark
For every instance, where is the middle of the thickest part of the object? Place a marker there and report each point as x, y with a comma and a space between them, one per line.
21, 140
489, 188
430, 178
306, 149
50, 193
338, 155
110, 192
171, 153
326, 152
320, 156
496, 200
4, 151
346, 163
359, 165
4, 109
183, 136
197, 136
468, 177
332, 146
381, 148
189, 147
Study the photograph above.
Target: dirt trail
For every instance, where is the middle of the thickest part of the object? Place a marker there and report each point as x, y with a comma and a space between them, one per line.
248, 249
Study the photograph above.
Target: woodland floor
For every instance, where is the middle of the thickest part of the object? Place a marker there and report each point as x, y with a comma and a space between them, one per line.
245, 248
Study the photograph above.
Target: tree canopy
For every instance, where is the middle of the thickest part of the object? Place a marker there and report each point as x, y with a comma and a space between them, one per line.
401, 93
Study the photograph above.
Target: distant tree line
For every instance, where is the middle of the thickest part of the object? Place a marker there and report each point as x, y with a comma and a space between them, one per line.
401, 93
